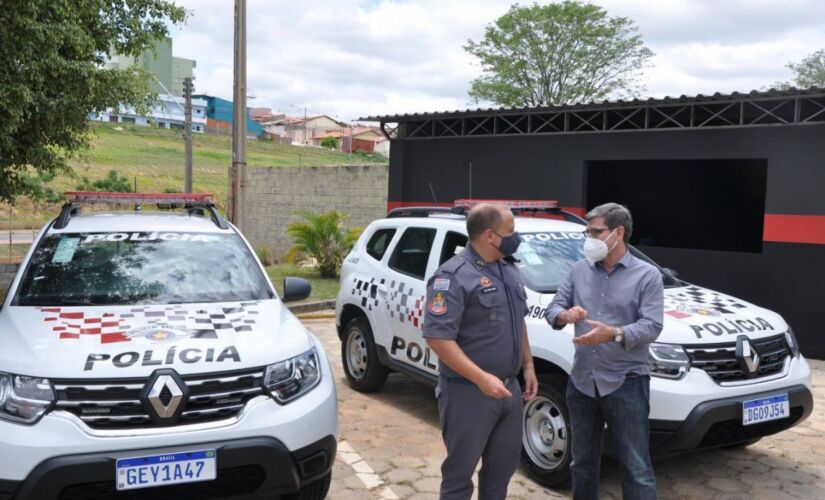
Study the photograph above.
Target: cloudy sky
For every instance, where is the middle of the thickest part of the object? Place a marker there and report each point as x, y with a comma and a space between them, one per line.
352, 58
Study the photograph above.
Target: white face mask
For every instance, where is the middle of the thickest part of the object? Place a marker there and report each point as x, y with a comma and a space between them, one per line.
596, 250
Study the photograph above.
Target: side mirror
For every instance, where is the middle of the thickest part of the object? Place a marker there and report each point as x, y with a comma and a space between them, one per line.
672, 273
296, 289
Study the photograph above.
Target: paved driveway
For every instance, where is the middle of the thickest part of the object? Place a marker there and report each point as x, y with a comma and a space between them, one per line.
390, 447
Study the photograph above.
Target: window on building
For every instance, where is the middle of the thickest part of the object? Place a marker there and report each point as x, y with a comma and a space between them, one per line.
178, 126
413, 251
127, 119
113, 118
378, 243
696, 204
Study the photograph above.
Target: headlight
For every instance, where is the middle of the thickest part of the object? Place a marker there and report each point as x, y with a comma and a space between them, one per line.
668, 361
24, 399
294, 377
792, 343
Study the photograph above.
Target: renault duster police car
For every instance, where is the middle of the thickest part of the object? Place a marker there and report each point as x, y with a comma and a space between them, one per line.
147, 355
724, 372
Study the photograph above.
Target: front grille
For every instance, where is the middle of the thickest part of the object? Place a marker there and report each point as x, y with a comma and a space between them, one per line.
229, 483
732, 431
719, 360
115, 403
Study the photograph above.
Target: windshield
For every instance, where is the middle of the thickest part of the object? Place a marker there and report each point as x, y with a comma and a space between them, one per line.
546, 259
140, 268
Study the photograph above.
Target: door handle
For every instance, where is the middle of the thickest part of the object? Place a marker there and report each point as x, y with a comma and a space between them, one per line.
382, 289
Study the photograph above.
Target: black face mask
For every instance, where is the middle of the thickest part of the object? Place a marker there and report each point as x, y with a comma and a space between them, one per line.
509, 244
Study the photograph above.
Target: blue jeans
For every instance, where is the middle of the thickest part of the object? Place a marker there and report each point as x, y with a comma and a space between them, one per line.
625, 411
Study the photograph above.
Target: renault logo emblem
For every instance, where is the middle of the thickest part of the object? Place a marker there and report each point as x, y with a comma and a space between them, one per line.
165, 404
164, 397
749, 359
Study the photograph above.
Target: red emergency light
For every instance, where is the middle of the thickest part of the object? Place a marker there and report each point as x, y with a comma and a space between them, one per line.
137, 198
513, 204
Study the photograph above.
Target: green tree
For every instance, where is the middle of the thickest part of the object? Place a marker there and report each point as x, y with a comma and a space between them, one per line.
112, 183
329, 143
560, 53
52, 57
810, 72
323, 238
36, 187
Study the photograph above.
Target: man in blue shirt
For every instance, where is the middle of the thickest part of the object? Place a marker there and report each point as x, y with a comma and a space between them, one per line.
616, 303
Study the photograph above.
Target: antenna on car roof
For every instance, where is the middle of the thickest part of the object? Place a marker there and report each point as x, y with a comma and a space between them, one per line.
433, 192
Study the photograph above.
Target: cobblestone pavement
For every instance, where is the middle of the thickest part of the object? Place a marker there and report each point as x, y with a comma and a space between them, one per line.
390, 447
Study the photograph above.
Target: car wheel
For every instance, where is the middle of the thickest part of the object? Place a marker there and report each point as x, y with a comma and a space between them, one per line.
546, 446
316, 490
363, 369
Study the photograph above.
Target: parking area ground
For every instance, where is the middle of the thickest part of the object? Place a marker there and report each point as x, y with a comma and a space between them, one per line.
390, 447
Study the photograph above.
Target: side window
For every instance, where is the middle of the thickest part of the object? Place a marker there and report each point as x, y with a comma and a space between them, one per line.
412, 252
378, 243
453, 243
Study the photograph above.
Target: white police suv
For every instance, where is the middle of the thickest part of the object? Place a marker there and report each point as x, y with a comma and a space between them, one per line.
147, 355
724, 372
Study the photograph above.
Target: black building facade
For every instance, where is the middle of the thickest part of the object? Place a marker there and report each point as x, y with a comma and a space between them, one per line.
729, 190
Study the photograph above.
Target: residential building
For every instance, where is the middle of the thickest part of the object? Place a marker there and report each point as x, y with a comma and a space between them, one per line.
219, 117
167, 112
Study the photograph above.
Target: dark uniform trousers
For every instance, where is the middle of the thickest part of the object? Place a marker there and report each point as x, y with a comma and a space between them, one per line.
476, 426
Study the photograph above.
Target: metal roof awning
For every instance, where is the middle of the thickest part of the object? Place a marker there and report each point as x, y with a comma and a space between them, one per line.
756, 108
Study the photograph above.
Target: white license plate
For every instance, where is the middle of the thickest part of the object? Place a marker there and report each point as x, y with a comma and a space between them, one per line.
765, 409
161, 470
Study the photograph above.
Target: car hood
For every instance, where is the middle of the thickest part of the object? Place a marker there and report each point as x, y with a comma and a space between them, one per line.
133, 341
697, 315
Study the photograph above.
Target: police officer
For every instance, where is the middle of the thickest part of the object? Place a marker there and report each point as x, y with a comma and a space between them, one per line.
474, 322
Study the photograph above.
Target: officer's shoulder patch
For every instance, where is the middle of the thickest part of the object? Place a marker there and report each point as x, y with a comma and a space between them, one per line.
438, 305
441, 284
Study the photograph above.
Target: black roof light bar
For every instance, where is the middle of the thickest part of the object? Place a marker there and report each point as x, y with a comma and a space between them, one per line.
195, 203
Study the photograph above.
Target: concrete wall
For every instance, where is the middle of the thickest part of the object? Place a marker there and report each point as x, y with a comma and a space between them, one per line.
275, 194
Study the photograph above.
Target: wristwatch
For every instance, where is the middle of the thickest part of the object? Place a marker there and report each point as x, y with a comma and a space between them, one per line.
619, 335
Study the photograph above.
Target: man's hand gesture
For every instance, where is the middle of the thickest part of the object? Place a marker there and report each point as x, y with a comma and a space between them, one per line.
599, 334
572, 315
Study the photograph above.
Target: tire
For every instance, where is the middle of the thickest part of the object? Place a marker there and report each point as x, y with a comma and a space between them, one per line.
546, 446
363, 369
743, 444
316, 490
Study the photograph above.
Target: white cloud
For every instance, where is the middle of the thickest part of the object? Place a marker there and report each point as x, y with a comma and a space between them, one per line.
351, 58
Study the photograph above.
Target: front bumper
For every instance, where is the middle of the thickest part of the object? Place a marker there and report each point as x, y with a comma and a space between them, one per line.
295, 426
719, 422
247, 468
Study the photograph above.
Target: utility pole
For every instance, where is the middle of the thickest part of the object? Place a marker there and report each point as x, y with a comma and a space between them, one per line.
239, 119
187, 135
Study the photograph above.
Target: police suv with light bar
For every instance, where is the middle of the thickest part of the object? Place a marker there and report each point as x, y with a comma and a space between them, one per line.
149, 350
724, 372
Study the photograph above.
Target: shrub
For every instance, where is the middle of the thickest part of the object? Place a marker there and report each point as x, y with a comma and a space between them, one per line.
323, 238
265, 255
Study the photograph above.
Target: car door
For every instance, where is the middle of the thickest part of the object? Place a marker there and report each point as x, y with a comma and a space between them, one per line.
413, 258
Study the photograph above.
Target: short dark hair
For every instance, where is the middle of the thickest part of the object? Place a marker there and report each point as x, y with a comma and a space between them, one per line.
614, 215
482, 217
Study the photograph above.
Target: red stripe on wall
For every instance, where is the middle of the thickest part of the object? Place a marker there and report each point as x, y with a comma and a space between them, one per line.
795, 228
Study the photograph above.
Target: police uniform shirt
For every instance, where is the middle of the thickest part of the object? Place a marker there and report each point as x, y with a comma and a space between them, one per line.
481, 305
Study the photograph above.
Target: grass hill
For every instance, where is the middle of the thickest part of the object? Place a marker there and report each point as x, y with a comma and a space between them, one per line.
154, 159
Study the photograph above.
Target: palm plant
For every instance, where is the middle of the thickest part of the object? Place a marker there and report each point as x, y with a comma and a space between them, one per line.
323, 238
